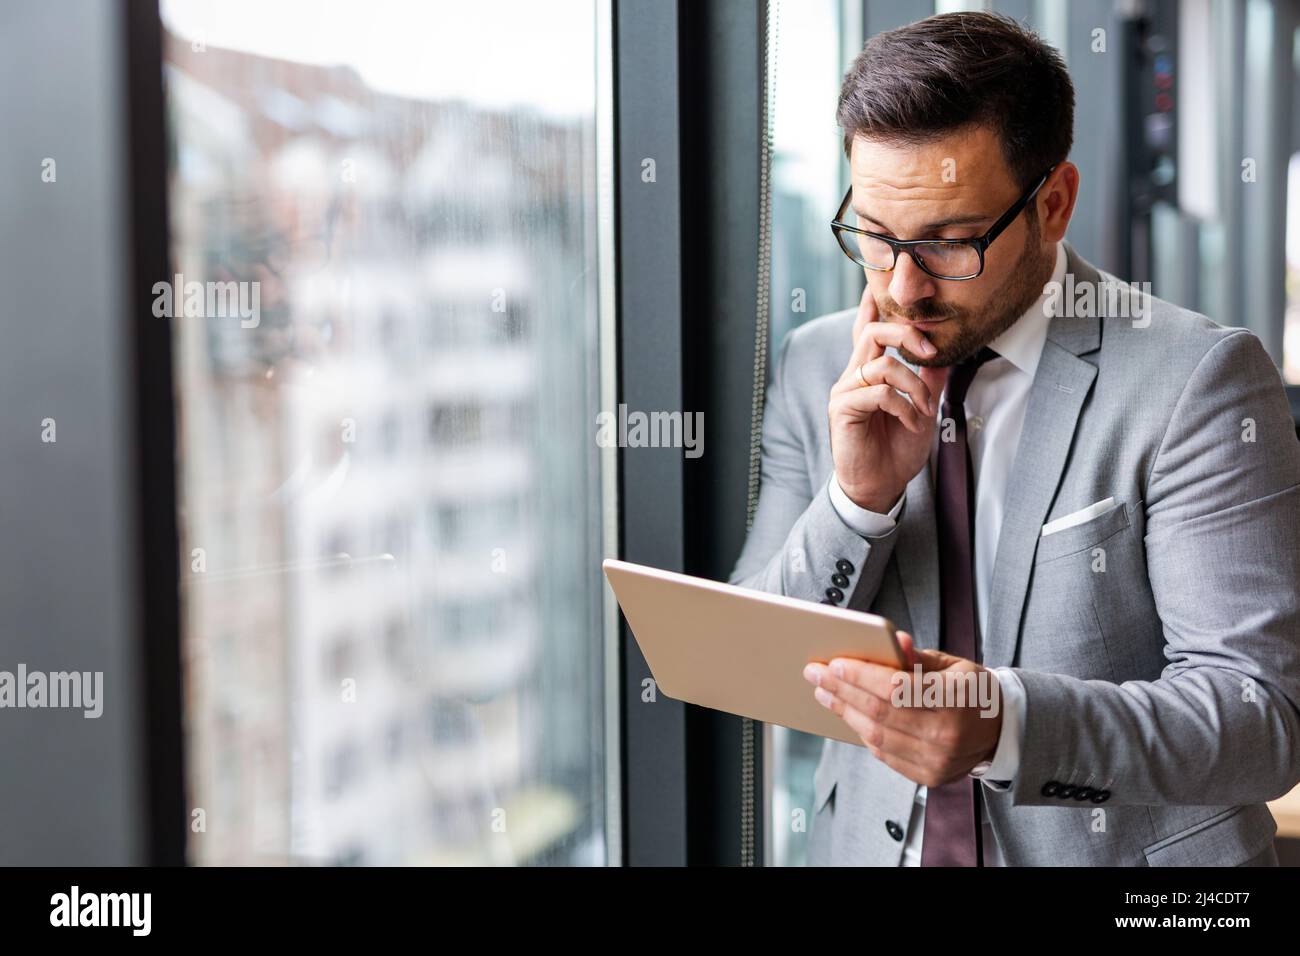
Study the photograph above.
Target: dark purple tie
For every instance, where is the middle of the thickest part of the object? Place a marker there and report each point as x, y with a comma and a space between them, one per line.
953, 831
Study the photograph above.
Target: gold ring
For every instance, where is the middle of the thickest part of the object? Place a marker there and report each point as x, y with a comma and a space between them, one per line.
862, 381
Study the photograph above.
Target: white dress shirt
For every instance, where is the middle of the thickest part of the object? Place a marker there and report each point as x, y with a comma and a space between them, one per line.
995, 413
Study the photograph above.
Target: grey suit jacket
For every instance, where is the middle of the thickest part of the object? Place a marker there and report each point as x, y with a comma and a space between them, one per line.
1158, 643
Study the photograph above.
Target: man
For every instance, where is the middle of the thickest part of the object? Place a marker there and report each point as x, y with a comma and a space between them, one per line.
1086, 498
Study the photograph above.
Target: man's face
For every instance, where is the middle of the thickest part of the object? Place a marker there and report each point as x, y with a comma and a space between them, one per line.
954, 187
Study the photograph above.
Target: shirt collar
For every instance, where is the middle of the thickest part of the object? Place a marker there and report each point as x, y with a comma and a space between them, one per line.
1022, 343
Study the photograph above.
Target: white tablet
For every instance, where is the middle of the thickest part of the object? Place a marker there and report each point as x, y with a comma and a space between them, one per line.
744, 651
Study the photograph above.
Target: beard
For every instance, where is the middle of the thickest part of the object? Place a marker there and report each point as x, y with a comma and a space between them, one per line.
967, 330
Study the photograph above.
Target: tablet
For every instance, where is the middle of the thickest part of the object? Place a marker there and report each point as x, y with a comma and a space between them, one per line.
744, 651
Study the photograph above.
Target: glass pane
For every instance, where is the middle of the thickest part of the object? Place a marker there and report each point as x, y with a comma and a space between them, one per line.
390, 493
810, 274
1291, 327
810, 277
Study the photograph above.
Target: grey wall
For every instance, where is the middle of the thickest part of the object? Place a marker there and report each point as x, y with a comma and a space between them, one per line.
71, 788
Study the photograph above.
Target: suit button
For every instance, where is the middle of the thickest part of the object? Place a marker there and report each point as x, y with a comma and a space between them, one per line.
1100, 796
844, 567
1049, 788
835, 594
1066, 791
839, 580
894, 829
1084, 793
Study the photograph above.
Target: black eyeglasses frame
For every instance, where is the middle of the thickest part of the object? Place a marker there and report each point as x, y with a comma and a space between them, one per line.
979, 243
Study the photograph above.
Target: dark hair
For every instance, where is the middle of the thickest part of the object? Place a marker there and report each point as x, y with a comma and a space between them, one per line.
953, 70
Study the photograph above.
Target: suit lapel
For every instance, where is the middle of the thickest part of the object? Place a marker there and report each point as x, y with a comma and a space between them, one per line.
1062, 383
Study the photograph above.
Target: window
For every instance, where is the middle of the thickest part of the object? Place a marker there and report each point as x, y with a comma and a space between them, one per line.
809, 175
408, 372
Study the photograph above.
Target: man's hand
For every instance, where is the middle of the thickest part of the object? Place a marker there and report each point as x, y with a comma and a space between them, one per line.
933, 728
880, 440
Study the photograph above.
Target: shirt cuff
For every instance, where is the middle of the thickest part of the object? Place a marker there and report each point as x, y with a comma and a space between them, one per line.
1001, 770
869, 524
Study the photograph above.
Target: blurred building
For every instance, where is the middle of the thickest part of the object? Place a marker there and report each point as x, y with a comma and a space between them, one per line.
383, 664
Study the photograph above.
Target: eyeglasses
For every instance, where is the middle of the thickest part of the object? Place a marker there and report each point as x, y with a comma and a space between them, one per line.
954, 259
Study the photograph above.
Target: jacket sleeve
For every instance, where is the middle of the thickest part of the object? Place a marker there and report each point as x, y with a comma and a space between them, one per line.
798, 541
1220, 725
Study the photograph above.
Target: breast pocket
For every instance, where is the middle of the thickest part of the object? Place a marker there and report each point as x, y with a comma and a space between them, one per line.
1090, 612
1062, 632
1083, 537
